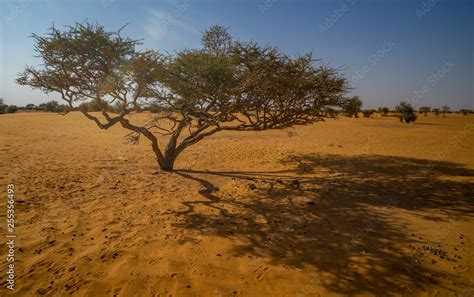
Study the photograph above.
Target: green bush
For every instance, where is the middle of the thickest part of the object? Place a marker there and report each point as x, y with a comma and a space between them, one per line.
352, 107
50, 106
12, 109
3, 107
384, 111
445, 109
367, 112
30, 107
424, 110
406, 111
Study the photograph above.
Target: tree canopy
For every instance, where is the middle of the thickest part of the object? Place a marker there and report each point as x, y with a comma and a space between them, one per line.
352, 106
406, 112
225, 85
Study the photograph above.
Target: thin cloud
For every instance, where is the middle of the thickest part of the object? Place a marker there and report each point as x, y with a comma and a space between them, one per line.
162, 22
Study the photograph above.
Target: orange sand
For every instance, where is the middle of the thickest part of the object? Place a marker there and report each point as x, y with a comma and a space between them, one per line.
345, 207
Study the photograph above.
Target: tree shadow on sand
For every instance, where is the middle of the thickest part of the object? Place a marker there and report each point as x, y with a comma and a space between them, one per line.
331, 213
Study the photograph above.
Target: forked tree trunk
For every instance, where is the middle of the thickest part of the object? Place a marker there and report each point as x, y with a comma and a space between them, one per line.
170, 155
168, 162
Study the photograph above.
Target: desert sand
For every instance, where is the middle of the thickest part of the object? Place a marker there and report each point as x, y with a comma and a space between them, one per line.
357, 207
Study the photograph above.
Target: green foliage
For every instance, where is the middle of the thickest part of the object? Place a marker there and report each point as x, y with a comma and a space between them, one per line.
406, 111
3, 106
224, 85
465, 111
352, 106
445, 109
367, 112
82, 62
384, 111
31, 107
12, 109
424, 110
217, 40
52, 106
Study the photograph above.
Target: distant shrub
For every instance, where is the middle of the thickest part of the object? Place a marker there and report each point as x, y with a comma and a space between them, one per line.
406, 111
3, 107
436, 111
61, 108
367, 112
92, 106
87, 107
30, 107
424, 110
50, 106
383, 111
12, 109
465, 111
352, 107
445, 109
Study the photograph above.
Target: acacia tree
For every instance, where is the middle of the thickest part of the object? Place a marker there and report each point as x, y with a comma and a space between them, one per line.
424, 110
406, 111
225, 85
445, 109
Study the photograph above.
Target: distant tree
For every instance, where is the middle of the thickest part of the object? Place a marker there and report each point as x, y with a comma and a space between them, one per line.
50, 106
226, 85
61, 108
367, 112
445, 109
30, 107
352, 107
436, 111
94, 106
424, 110
465, 111
12, 109
3, 106
406, 111
383, 111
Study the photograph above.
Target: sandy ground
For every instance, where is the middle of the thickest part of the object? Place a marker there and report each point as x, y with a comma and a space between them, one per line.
346, 207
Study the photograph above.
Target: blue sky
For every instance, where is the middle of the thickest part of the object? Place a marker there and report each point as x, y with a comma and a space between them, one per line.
420, 51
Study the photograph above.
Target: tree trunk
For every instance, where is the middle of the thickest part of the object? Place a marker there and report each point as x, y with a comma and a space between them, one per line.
168, 163
169, 157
